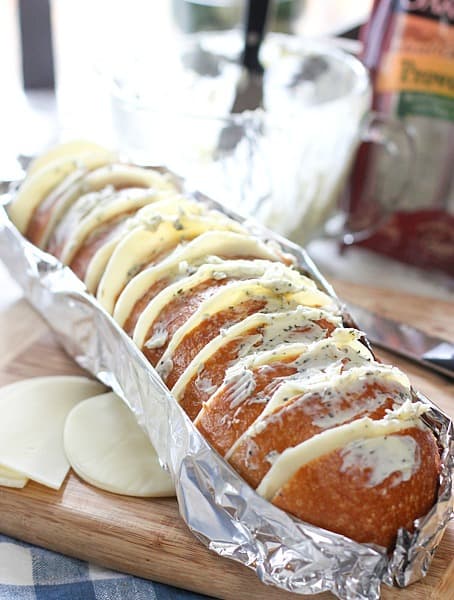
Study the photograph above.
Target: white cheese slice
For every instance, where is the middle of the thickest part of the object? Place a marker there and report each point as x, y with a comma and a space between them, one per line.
240, 269
40, 184
144, 243
207, 247
291, 460
107, 448
70, 149
32, 418
10, 478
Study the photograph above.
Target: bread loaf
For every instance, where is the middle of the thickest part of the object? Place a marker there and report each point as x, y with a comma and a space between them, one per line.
253, 351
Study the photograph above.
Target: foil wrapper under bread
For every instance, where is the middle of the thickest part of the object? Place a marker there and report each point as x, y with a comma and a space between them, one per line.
218, 506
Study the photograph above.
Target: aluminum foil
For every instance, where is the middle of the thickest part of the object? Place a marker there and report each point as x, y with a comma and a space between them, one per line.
218, 506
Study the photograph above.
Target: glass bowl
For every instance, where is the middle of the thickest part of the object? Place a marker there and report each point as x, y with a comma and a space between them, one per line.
292, 157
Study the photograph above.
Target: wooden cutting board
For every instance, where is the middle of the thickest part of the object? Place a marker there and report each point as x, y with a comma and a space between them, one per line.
146, 537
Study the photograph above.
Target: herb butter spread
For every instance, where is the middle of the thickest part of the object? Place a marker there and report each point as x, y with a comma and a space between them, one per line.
335, 381
309, 361
74, 228
291, 460
381, 457
237, 269
292, 326
242, 291
332, 383
41, 183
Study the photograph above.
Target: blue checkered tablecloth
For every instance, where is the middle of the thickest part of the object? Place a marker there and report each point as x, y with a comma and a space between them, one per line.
31, 573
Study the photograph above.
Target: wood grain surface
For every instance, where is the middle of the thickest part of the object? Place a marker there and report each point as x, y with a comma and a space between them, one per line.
146, 537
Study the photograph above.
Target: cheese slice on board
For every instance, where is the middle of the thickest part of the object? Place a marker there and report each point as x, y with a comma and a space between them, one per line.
10, 478
107, 448
32, 418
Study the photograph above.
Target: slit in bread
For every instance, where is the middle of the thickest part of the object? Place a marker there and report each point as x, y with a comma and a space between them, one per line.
110, 177
229, 305
251, 383
149, 242
178, 301
256, 333
209, 247
40, 184
300, 409
368, 499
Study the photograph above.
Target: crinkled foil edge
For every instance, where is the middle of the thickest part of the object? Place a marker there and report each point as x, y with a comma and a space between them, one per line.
219, 508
